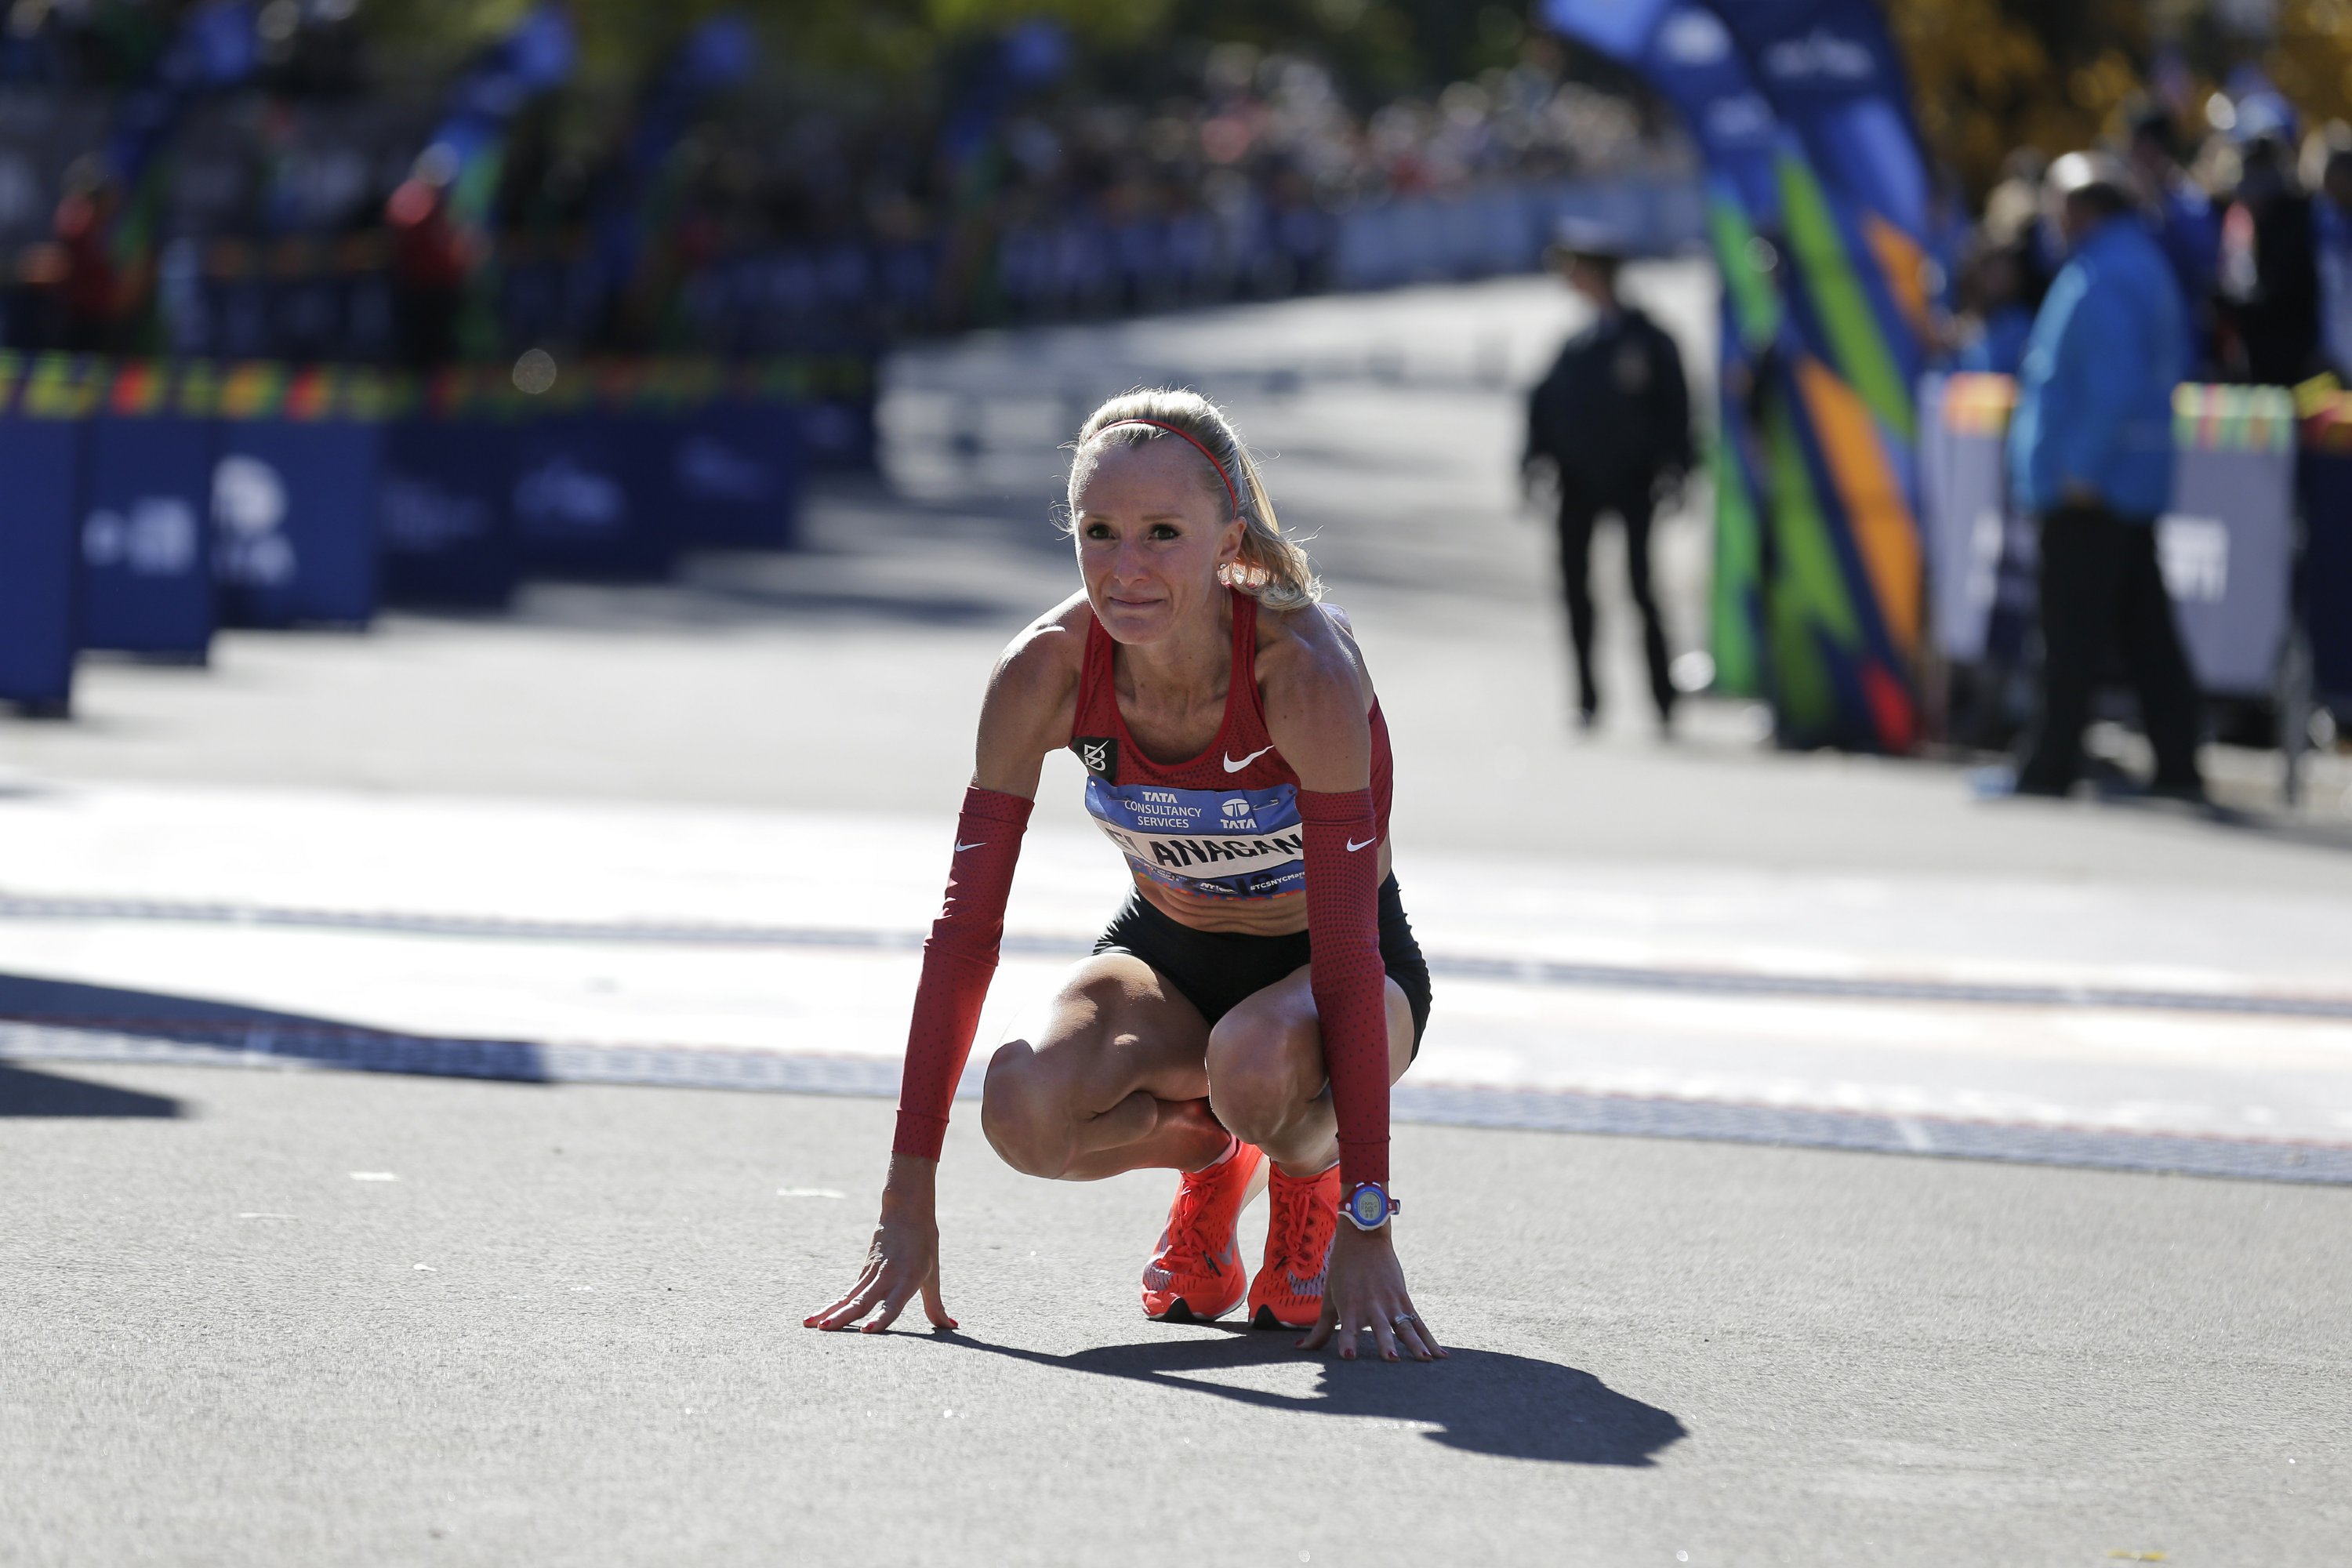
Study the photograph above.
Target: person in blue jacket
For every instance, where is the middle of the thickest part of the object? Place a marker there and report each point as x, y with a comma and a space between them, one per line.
2090, 456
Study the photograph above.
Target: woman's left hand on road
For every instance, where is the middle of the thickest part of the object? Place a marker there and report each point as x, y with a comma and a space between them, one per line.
1364, 1287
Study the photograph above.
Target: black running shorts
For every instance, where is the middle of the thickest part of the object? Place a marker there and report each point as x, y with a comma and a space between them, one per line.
1217, 969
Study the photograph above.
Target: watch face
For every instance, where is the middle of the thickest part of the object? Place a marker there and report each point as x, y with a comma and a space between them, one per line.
1368, 1205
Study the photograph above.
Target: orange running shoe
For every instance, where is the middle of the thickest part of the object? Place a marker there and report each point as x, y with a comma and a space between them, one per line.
1288, 1290
1195, 1273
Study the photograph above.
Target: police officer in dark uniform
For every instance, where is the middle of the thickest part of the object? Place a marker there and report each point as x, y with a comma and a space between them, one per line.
1613, 419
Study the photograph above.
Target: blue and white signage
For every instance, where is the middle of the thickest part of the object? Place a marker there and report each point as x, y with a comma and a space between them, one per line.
1229, 843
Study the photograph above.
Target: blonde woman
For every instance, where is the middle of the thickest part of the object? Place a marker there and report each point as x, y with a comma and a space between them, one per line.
1246, 1010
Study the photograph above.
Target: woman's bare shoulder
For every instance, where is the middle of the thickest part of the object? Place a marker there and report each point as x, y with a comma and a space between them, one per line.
1049, 650
1037, 674
1032, 696
1312, 650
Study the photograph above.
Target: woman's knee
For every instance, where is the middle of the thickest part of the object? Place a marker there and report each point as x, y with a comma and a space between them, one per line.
1021, 1113
1262, 1074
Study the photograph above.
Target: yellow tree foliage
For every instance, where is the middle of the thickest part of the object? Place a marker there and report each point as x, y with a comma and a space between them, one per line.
2312, 60
1991, 76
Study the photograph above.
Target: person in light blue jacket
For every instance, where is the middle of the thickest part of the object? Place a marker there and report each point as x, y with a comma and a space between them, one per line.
2090, 456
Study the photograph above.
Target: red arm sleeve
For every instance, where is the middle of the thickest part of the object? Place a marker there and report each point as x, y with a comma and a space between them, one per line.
959, 959
1350, 982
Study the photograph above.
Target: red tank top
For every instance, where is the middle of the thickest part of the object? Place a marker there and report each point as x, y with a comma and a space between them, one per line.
1223, 824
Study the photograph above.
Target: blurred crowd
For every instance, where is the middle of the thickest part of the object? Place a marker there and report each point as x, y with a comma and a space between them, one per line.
2252, 213
326, 223
1234, 192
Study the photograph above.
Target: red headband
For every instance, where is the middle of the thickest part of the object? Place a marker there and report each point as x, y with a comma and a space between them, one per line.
1231, 494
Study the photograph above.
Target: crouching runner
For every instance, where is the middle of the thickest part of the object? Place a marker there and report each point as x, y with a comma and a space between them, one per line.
1244, 1014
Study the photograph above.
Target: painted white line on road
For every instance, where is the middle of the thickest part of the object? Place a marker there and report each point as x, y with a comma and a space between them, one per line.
1542, 1109
1528, 971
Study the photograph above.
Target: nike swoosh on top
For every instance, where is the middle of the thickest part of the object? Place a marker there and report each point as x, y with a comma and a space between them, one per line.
961, 848
1234, 767
1367, 844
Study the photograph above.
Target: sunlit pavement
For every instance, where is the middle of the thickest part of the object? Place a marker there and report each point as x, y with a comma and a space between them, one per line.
311, 1318
131, 913
688, 835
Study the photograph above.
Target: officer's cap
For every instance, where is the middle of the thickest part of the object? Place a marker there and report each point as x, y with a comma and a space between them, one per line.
1577, 239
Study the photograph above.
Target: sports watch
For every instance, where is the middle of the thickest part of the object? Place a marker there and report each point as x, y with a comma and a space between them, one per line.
1368, 1206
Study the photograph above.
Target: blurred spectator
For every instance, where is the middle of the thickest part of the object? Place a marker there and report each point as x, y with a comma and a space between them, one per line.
2270, 271
781, 225
430, 260
2012, 219
2091, 458
91, 292
2332, 219
1613, 418
1997, 310
2182, 217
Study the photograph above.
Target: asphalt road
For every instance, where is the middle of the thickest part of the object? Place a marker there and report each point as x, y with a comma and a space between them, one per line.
321, 1319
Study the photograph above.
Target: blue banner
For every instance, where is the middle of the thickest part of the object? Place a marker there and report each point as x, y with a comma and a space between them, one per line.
641, 199
148, 583
587, 496
444, 533
1816, 601
294, 501
217, 45
2226, 543
39, 561
735, 474
1832, 71
1832, 76
537, 55
2325, 478
838, 415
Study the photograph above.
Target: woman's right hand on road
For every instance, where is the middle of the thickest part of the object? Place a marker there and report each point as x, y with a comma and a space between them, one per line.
904, 1259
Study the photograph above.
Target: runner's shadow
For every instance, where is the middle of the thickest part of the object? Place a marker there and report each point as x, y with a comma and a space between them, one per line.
1485, 1401
171, 1026
27, 1093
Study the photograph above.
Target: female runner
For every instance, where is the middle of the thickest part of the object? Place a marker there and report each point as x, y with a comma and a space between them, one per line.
1245, 1012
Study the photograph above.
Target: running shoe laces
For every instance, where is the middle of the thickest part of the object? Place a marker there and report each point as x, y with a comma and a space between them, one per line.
1195, 1273
1304, 1228
1192, 1228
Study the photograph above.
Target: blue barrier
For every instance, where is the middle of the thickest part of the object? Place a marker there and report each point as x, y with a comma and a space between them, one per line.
1503, 228
591, 470
2226, 544
268, 496
147, 573
836, 396
585, 496
1974, 543
2327, 484
734, 472
293, 498
44, 404
445, 535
